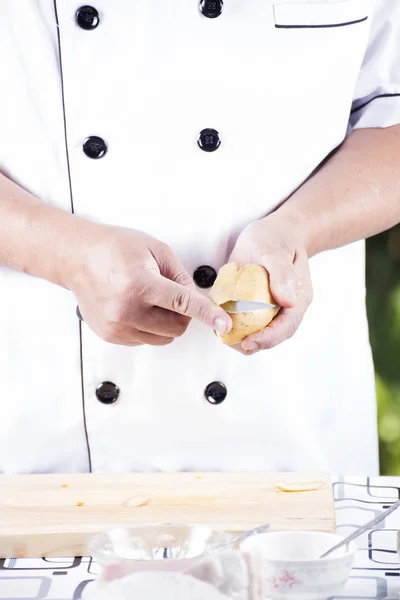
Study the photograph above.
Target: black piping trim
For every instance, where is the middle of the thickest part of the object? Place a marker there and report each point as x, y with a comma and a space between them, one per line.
72, 210
321, 26
83, 397
372, 99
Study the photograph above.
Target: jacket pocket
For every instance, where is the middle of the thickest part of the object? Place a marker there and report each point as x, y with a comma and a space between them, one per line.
325, 13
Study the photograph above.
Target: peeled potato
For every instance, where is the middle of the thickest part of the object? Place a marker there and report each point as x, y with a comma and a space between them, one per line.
250, 282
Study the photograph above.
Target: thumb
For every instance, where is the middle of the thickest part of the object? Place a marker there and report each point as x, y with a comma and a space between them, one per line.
283, 280
186, 301
171, 268
177, 292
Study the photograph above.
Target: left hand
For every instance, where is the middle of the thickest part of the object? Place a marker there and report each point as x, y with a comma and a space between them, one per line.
277, 245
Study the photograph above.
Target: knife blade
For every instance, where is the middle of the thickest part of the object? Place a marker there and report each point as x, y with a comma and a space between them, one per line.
242, 306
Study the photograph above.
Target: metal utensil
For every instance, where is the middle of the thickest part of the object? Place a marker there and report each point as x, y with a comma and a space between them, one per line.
243, 306
239, 538
364, 529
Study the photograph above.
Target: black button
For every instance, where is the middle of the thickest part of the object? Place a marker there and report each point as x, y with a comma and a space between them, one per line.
204, 276
78, 314
211, 8
94, 147
215, 392
107, 392
87, 17
209, 140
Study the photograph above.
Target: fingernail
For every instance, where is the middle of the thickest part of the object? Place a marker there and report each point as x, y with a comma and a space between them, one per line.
251, 346
288, 290
221, 325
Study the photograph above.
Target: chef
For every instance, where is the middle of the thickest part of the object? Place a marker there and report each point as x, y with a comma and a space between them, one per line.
143, 145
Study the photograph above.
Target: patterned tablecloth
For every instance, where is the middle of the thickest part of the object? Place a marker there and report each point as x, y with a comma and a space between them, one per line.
376, 574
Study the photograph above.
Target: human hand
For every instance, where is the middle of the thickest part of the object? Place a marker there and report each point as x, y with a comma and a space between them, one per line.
131, 289
278, 246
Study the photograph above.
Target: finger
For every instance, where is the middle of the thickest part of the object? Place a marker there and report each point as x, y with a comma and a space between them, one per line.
283, 278
116, 341
112, 337
160, 321
188, 302
125, 335
153, 340
133, 337
154, 320
239, 348
287, 321
283, 327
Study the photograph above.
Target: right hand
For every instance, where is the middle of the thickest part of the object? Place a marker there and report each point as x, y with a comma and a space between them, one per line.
131, 289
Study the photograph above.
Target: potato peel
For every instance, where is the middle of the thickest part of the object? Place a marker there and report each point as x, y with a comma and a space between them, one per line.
137, 501
291, 487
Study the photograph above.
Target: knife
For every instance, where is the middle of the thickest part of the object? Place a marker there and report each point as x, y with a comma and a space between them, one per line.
242, 306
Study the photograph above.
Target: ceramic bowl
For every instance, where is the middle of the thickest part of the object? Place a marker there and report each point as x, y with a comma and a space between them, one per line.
151, 546
292, 567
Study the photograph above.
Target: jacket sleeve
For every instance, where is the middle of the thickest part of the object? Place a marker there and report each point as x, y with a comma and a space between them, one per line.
377, 94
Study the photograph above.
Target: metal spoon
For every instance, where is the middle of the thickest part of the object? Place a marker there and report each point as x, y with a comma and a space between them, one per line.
238, 538
363, 529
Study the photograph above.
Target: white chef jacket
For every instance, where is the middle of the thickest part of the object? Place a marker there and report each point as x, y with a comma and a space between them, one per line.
277, 81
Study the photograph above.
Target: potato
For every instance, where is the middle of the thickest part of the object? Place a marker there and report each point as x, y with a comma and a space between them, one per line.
250, 282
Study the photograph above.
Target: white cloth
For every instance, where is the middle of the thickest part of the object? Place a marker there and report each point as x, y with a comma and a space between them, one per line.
219, 576
155, 586
377, 96
278, 84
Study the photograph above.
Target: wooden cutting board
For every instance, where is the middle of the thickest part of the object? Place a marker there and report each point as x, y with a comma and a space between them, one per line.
53, 515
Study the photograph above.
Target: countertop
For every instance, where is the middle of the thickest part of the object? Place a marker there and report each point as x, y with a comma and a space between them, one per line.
358, 499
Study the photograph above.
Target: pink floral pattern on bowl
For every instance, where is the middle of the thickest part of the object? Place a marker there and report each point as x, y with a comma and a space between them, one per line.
286, 580
307, 577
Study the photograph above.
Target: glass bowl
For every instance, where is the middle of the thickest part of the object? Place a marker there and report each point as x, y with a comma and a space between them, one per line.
152, 546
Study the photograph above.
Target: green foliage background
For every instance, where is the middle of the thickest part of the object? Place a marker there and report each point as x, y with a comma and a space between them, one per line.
383, 302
